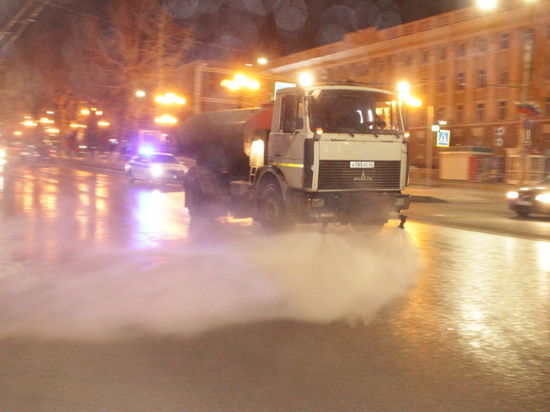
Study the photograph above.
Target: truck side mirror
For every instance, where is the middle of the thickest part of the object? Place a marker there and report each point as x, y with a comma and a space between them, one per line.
299, 123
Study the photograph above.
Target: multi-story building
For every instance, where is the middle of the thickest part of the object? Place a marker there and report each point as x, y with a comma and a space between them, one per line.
485, 73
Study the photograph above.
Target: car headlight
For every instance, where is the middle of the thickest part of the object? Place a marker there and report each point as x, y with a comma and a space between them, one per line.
512, 195
126, 167
543, 197
156, 170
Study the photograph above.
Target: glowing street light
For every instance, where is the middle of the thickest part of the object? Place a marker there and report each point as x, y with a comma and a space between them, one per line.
166, 119
305, 79
404, 90
487, 4
240, 81
140, 93
262, 60
170, 98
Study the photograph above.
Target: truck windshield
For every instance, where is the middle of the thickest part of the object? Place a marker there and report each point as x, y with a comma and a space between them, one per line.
354, 111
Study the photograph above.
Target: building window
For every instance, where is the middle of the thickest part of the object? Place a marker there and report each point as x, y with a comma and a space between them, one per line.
441, 83
481, 78
480, 112
460, 113
425, 56
503, 75
423, 117
460, 81
481, 45
440, 114
461, 50
442, 52
504, 41
502, 110
424, 87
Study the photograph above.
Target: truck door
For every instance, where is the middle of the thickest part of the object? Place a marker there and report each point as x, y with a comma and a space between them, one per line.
286, 142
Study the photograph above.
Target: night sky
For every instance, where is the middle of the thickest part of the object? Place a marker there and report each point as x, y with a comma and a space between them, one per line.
280, 27
245, 29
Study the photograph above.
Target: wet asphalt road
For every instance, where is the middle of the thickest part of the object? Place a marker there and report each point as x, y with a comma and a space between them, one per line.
110, 300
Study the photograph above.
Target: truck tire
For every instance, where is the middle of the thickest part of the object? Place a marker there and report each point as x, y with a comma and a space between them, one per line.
273, 216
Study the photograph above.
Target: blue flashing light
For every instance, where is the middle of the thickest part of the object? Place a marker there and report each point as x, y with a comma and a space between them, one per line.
146, 150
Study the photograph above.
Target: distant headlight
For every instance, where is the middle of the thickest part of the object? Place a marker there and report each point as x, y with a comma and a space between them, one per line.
512, 195
543, 197
126, 167
2, 162
2, 153
156, 170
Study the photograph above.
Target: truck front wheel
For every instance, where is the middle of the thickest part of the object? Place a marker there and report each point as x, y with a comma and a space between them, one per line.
273, 215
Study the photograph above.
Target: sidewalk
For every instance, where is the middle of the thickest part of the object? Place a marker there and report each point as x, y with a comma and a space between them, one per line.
458, 192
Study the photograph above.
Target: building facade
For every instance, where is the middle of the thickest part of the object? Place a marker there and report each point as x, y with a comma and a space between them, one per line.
483, 74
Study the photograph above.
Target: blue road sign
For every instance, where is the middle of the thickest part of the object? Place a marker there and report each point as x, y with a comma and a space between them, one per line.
443, 138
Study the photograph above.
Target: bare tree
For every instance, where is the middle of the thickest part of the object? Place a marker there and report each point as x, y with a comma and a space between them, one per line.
139, 46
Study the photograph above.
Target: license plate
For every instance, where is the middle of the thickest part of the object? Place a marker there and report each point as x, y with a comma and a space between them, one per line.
524, 203
361, 165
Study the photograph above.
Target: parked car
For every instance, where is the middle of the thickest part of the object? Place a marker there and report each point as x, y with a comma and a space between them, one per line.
531, 199
155, 168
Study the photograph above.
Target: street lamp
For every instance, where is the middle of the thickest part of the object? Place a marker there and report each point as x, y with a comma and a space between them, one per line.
166, 119
240, 81
305, 79
169, 99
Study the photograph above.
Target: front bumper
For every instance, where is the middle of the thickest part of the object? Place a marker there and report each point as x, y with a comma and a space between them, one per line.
349, 206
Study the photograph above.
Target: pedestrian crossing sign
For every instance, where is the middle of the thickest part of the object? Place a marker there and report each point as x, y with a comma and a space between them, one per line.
443, 138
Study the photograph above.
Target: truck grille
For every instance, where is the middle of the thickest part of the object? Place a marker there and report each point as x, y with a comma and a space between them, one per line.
337, 175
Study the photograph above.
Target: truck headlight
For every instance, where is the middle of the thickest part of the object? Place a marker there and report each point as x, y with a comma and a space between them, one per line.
156, 170
512, 195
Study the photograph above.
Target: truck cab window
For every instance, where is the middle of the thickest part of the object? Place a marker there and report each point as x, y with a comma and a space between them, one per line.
292, 107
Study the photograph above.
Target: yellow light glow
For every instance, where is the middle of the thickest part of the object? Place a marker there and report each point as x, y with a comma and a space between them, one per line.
257, 153
17, 133
305, 79
103, 124
262, 60
230, 84
140, 93
486, 4
403, 88
85, 112
29, 123
170, 98
166, 119
240, 81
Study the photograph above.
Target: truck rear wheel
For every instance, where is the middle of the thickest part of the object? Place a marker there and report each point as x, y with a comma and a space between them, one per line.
273, 215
